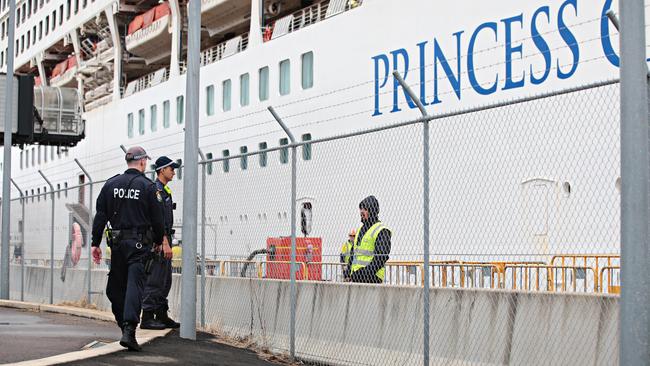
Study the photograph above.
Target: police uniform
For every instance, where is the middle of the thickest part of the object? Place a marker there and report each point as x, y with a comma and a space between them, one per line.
132, 205
159, 281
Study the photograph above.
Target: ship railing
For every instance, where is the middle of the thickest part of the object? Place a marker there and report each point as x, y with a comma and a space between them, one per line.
224, 49
307, 16
147, 81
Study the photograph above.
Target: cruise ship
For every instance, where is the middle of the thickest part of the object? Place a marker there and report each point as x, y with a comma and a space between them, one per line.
326, 67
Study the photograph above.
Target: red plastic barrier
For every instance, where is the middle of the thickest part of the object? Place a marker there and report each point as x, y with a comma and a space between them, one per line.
308, 250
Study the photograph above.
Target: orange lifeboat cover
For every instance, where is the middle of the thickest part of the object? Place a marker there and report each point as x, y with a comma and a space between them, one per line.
162, 10
148, 17
60, 68
72, 62
135, 24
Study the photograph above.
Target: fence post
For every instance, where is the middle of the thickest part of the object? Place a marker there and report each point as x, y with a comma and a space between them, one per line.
6, 173
292, 321
635, 284
51, 237
190, 197
22, 240
202, 156
425, 210
90, 226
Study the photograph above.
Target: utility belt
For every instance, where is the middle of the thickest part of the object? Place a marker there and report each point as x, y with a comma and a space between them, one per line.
115, 236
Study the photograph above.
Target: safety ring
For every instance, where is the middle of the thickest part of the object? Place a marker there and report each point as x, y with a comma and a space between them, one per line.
138, 245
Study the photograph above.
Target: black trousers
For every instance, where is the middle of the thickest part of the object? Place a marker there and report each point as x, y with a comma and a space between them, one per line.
157, 287
126, 280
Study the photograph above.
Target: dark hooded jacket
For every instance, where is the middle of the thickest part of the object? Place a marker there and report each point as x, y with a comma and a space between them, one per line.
382, 245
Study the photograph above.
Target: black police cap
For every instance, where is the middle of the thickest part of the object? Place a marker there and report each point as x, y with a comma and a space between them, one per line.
163, 162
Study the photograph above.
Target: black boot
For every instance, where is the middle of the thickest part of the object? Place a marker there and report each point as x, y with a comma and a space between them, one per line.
162, 317
128, 337
148, 321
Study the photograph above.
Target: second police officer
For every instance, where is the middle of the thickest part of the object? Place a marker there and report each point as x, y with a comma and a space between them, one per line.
132, 205
159, 282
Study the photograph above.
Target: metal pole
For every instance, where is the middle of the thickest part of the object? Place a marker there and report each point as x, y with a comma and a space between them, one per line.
635, 276
51, 238
22, 241
190, 196
90, 227
123, 148
425, 210
6, 173
292, 321
202, 238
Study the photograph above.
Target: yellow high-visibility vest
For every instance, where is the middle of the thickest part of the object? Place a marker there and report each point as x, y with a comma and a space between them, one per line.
345, 251
364, 249
177, 256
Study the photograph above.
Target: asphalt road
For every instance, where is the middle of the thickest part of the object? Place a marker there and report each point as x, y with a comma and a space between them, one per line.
26, 335
172, 350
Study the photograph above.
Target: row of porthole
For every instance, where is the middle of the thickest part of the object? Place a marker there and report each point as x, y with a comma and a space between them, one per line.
260, 216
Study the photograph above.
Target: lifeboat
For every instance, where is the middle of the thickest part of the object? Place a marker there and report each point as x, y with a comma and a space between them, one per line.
64, 73
149, 35
220, 16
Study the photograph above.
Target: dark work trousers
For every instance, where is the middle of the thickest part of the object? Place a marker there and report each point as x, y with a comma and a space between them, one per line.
126, 280
159, 282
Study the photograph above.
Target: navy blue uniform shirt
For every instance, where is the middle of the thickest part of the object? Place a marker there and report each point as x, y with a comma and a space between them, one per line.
129, 201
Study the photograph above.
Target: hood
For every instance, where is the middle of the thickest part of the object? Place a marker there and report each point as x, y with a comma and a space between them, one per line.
371, 204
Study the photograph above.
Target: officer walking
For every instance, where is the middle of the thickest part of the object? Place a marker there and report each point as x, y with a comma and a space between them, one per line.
159, 281
371, 245
133, 206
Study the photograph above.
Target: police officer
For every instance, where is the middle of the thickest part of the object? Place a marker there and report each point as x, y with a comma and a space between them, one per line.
159, 281
133, 206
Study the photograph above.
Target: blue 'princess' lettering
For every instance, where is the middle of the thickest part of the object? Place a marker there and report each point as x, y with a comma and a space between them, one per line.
451, 63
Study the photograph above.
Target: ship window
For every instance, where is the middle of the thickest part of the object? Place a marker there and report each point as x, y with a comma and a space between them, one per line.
24, 13
130, 125
68, 8
58, 190
40, 30
179, 109
141, 121
22, 43
152, 168
39, 154
2, 34
284, 152
307, 70
166, 114
29, 8
27, 158
264, 83
226, 162
47, 25
22, 158
54, 20
263, 156
33, 156
153, 111
52, 153
209, 100
76, 6
84, 4
227, 92
34, 35
244, 86
65, 188
208, 156
17, 17
38, 191
29, 38
306, 148
243, 161
179, 171
60, 14
45, 154
285, 77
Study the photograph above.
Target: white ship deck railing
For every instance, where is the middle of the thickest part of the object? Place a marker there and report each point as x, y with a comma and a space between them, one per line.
147, 81
224, 49
310, 15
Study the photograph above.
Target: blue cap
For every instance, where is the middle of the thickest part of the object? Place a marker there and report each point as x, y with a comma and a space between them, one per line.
163, 162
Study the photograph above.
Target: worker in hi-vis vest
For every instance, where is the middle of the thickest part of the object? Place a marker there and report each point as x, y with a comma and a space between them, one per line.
346, 253
371, 245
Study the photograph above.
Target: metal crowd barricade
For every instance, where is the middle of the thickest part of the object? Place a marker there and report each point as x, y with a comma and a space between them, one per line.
404, 273
596, 261
612, 284
535, 277
464, 275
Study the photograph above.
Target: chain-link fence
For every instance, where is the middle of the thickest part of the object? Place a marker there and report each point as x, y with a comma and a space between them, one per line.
523, 231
